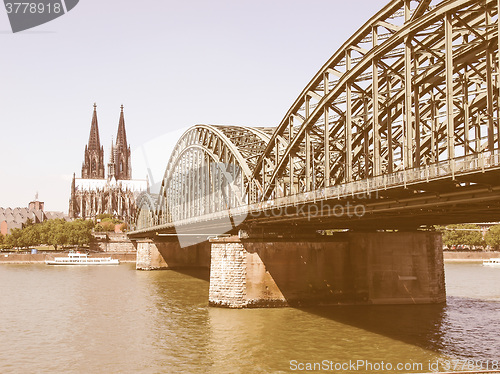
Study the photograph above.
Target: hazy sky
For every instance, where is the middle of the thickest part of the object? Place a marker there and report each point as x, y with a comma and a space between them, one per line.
172, 64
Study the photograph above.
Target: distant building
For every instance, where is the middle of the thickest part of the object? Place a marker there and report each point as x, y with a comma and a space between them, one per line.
95, 194
11, 218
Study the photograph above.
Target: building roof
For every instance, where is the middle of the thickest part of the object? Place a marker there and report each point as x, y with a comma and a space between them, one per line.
56, 215
16, 217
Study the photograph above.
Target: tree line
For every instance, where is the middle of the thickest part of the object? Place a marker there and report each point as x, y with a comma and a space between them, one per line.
56, 232
470, 235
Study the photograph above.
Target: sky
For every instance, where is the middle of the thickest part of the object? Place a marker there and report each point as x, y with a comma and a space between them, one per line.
172, 64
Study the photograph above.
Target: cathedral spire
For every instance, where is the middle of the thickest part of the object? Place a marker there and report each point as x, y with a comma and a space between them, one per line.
121, 136
93, 163
94, 142
122, 163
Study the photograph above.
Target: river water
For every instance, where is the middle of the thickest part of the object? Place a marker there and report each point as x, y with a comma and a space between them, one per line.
118, 320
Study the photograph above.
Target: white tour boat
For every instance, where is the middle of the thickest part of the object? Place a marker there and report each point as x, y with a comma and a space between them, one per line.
82, 259
492, 262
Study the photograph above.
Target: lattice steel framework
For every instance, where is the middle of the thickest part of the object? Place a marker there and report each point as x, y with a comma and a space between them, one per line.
206, 161
146, 215
418, 83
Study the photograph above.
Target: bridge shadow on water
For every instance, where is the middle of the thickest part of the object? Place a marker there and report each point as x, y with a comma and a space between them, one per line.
419, 325
464, 328
194, 272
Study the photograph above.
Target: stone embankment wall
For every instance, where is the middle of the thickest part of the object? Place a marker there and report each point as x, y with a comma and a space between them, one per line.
456, 256
39, 258
111, 242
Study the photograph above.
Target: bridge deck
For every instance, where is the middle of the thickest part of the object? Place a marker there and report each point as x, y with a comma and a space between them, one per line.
449, 191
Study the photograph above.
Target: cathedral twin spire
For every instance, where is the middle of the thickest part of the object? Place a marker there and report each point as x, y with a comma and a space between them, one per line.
93, 162
119, 166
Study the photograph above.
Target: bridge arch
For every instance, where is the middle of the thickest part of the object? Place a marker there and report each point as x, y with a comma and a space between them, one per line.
146, 210
209, 170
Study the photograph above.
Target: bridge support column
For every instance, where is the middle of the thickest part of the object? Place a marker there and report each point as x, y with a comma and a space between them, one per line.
148, 256
167, 253
348, 268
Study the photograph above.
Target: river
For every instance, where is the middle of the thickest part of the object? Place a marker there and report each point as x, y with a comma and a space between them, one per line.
118, 320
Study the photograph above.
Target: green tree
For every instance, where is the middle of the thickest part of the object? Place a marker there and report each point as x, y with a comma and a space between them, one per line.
28, 223
55, 232
14, 238
31, 235
80, 232
105, 225
107, 218
492, 237
462, 234
100, 217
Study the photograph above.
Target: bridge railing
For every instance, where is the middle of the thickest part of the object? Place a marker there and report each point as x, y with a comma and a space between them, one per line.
367, 187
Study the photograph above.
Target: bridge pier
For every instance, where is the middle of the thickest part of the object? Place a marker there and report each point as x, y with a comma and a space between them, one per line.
346, 268
166, 253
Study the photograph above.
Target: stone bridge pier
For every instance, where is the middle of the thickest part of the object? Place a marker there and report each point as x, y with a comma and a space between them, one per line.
166, 253
341, 269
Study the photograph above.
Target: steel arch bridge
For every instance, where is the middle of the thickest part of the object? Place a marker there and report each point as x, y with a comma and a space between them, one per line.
409, 100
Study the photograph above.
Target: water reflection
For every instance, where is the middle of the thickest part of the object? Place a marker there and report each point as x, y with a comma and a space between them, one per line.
471, 328
179, 317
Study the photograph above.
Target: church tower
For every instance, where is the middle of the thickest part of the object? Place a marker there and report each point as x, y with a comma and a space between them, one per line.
120, 165
93, 164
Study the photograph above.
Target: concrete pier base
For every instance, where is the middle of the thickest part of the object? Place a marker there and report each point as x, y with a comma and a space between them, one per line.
168, 254
350, 268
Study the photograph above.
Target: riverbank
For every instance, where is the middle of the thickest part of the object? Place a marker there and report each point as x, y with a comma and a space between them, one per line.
28, 258
463, 256
39, 258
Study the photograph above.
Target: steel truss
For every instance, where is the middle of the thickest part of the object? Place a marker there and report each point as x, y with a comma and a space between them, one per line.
205, 164
417, 84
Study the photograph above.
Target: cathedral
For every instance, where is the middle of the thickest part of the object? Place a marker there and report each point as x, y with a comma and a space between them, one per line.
94, 193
